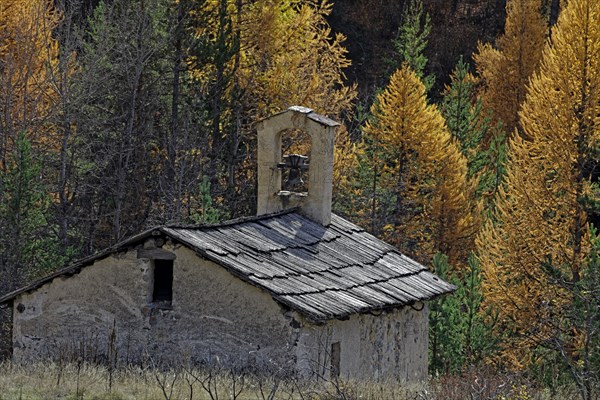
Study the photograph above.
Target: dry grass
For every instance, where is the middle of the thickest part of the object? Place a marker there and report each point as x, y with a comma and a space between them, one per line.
85, 381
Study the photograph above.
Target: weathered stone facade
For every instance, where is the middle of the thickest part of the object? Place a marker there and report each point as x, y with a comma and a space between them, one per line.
303, 292
106, 311
386, 345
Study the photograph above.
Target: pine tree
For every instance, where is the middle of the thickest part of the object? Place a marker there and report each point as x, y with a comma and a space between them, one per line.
411, 41
421, 171
460, 331
506, 68
539, 239
464, 116
28, 246
469, 125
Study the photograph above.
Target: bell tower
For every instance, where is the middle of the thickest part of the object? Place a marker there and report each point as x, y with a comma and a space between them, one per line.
315, 203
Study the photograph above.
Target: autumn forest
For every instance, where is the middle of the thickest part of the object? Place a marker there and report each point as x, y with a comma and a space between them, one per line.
120, 115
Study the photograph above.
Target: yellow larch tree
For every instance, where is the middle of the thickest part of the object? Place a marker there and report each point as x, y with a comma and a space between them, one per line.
281, 53
422, 172
539, 240
296, 60
28, 54
262, 57
505, 69
293, 58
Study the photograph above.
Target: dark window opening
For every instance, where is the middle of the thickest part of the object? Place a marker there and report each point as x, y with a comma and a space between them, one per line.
163, 282
335, 359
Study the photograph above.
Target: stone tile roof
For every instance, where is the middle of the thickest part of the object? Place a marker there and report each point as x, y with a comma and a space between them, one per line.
322, 272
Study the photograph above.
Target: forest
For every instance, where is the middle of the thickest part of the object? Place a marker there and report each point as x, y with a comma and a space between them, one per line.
477, 155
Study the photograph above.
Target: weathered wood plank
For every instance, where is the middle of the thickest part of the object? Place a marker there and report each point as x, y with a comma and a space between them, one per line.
263, 236
366, 292
335, 281
404, 289
196, 239
388, 290
294, 228
324, 303
298, 303
392, 268
293, 262
339, 222
436, 282
239, 265
304, 255
310, 230
316, 284
357, 275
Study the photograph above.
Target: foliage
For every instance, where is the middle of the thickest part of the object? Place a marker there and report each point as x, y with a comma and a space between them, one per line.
411, 41
460, 332
505, 69
137, 154
204, 210
493, 170
115, 116
464, 115
271, 55
28, 248
469, 125
540, 217
574, 339
28, 54
423, 174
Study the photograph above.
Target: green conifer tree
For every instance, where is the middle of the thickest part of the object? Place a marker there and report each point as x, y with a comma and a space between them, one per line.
467, 122
461, 331
28, 243
411, 41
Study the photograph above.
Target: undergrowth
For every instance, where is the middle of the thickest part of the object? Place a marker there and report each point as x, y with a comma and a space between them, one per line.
79, 381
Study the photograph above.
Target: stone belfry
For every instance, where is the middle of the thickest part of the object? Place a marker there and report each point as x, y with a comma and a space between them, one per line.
315, 203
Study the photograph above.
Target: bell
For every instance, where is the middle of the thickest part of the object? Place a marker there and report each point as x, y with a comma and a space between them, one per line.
294, 163
294, 177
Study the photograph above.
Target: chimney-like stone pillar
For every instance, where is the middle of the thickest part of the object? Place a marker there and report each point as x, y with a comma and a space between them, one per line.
316, 204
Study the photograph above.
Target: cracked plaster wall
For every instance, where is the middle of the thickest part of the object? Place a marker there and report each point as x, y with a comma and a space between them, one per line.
214, 316
390, 345
105, 313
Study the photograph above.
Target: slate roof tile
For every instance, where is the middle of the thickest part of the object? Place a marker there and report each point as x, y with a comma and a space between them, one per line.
322, 272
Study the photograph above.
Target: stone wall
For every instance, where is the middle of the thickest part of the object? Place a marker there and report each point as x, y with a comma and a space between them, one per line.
5, 333
390, 345
105, 312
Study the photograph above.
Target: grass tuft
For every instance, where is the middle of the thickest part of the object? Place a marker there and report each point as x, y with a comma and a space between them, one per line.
83, 381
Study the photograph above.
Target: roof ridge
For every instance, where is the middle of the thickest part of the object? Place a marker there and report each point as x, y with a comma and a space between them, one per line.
234, 221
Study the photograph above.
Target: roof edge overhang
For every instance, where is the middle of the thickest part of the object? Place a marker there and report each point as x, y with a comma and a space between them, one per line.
166, 230
367, 310
75, 267
308, 112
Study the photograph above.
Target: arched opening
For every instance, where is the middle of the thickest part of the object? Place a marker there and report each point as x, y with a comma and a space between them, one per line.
296, 146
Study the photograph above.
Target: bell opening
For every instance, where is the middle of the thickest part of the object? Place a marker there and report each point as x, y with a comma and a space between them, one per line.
295, 161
